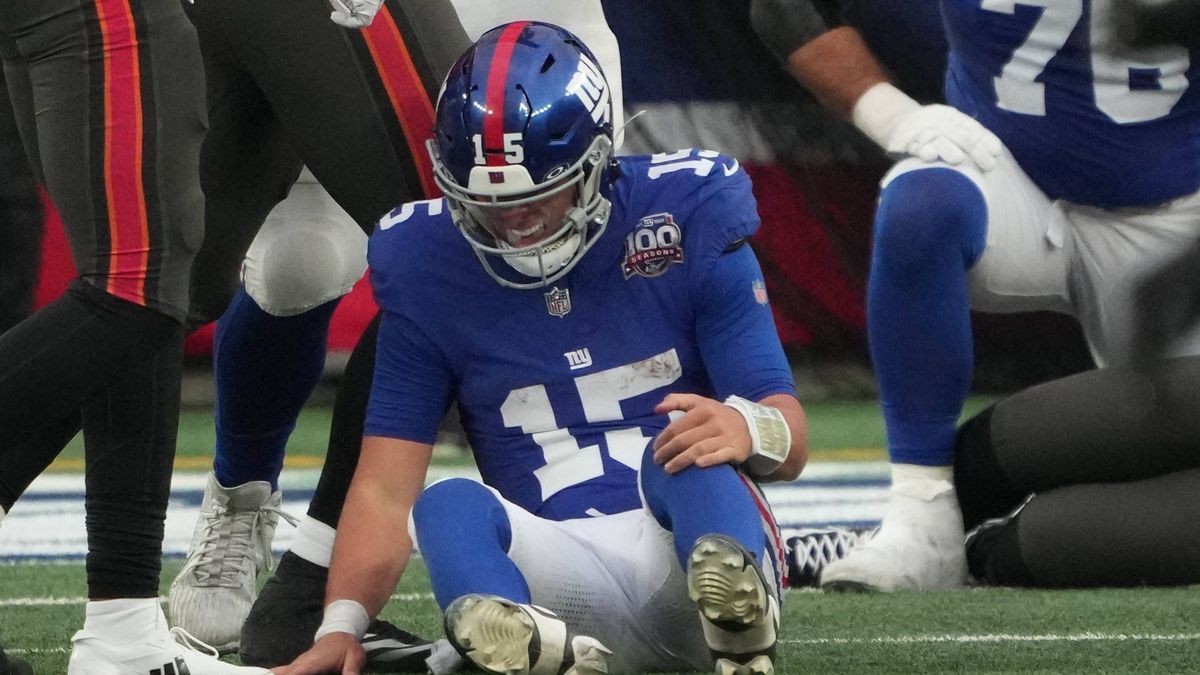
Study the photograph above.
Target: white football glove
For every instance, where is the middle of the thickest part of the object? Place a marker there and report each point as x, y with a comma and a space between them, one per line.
903, 127
354, 13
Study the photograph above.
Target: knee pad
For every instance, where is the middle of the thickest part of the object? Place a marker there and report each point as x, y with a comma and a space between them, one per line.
929, 212
308, 252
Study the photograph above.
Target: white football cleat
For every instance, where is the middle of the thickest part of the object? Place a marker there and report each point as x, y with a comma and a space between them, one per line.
502, 636
919, 547
153, 650
738, 612
213, 593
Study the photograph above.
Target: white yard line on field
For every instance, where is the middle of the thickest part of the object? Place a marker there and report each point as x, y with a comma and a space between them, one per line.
885, 640
998, 638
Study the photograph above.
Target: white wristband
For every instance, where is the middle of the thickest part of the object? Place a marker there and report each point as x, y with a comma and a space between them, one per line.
770, 437
878, 109
344, 616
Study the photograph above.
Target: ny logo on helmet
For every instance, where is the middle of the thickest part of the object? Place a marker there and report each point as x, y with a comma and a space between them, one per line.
589, 87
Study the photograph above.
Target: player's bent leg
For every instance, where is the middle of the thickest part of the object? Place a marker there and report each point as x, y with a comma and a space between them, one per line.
464, 535
930, 228
307, 255
730, 549
502, 636
131, 636
213, 593
739, 613
1134, 533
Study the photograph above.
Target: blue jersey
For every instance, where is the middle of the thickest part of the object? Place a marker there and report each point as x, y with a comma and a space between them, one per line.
1088, 122
557, 386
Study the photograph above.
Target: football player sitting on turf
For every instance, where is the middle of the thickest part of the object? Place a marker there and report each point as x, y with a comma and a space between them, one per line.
589, 316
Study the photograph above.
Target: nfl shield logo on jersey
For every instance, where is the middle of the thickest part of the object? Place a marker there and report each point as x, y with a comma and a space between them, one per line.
760, 291
558, 302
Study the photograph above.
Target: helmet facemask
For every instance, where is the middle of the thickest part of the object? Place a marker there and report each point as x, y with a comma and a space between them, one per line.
476, 211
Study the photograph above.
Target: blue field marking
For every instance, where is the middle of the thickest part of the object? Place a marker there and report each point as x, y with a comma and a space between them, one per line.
47, 523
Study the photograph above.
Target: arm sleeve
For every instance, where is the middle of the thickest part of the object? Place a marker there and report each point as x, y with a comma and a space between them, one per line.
786, 25
413, 383
736, 330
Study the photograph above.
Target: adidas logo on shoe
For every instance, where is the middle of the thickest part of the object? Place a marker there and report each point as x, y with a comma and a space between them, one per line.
176, 667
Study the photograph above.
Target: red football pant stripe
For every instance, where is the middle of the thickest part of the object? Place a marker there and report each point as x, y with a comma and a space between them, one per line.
405, 91
129, 236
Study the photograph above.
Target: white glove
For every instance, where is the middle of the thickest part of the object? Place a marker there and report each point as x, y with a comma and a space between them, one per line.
903, 127
354, 13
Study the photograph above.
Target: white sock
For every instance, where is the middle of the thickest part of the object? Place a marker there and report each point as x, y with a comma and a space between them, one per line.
124, 620
922, 482
314, 541
2, 514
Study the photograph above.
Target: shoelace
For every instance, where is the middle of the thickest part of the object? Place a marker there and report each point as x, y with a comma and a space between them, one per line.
265, 534
232, 537
192, 642
812, 551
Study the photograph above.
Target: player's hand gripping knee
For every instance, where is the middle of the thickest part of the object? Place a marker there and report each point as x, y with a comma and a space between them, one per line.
333, 653
354, 13
709, 433
903, 127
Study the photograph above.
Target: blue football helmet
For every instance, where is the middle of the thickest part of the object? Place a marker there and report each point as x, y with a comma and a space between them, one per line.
523, 116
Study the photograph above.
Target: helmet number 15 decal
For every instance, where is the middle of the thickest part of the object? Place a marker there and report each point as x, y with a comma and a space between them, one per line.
514, 148
567, 464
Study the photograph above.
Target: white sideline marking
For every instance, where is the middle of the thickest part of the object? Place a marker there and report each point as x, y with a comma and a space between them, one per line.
80, 600
998, 638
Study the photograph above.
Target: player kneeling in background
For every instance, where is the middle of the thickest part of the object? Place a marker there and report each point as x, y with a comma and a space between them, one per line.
589, 368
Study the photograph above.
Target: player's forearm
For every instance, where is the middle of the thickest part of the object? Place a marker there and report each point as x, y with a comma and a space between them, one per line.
837, 67
373, 545
371, 551
797, 422
825, 55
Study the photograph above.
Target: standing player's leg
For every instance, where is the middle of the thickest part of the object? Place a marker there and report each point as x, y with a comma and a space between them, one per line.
930, 229
20, 221
246, 167
1110, 459
271, 346
946, 240
20, 239
132, 213
284, 618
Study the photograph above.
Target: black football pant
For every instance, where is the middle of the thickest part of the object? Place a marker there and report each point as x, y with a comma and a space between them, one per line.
108, 99
1112, 459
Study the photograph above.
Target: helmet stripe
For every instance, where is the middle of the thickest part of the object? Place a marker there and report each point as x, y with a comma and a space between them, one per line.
493, 126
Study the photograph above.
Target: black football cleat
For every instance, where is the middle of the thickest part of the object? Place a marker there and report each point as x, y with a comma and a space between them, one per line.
289, 610
810, 550
286, 615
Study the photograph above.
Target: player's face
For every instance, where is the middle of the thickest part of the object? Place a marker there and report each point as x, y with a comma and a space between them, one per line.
527, 224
